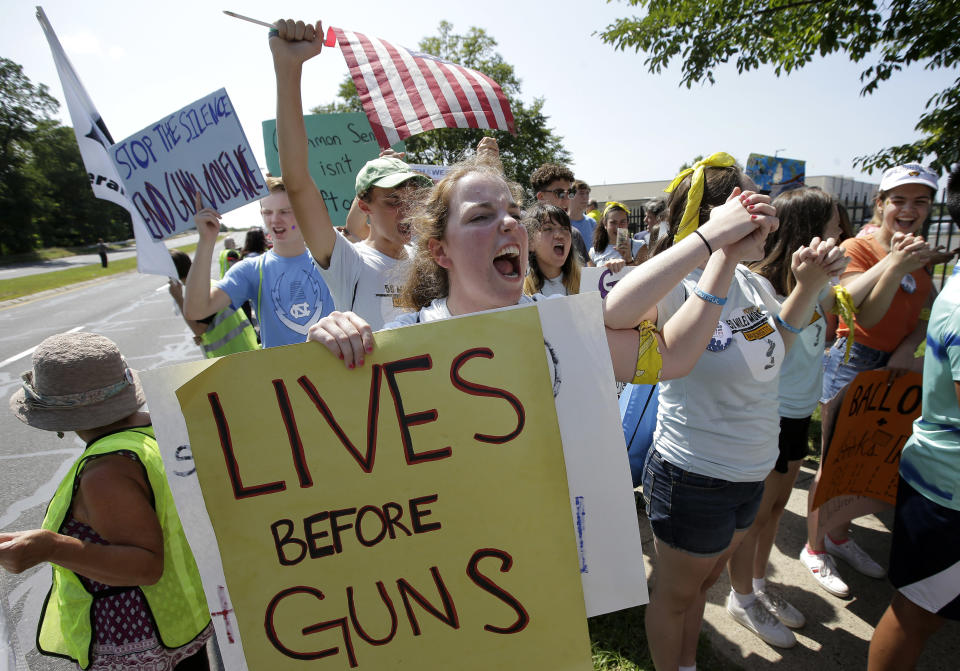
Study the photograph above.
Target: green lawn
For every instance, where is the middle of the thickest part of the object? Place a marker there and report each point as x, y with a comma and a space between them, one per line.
31, 284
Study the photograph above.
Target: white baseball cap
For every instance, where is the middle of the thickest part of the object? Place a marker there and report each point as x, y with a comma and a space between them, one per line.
909, 173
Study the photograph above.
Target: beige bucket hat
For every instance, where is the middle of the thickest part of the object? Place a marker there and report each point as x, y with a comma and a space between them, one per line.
79, 381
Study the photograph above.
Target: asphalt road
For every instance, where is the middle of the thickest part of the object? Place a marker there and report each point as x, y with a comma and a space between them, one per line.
23, 269
137, 313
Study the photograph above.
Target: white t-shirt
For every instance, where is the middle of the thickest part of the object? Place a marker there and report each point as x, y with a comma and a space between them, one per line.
721, 420
438, 310
553, 286
801, 376
365, 281
610, 253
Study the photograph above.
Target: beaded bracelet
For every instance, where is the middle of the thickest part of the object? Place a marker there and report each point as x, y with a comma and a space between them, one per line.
709, 248
710, 298
792, 329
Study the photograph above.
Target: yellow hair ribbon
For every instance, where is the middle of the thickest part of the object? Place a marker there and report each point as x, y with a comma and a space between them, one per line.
925, 315
614, 205
649, 359
843, 307
691, 213
921, 350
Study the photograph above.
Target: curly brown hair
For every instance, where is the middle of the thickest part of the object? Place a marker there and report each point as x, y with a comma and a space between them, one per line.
549, 172
428, 216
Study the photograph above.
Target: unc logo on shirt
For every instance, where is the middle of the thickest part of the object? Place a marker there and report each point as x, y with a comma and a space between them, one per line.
297, 300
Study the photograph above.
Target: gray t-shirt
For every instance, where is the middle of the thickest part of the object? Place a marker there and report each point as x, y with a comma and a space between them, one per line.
722, 419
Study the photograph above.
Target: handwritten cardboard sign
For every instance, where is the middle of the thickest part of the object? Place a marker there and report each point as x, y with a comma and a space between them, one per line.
412, 514
601, 279
873, 422
339, 145
200, 148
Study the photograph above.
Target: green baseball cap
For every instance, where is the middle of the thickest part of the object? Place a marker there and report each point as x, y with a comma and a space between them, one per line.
387, 172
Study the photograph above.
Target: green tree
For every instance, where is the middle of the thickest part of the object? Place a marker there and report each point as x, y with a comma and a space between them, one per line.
45, 195
66, 212
788, 34
534, 144
23, 106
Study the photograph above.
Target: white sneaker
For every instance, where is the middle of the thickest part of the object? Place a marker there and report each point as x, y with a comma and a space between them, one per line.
780, 608
761, 622
823, 569
855, 555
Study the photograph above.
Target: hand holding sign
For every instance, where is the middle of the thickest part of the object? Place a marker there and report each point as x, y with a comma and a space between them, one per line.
346, 335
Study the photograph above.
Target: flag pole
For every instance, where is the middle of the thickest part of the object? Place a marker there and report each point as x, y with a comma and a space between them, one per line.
330, 41
248, 19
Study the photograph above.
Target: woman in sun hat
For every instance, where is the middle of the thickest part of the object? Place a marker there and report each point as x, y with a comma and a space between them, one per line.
126, 593
888, 267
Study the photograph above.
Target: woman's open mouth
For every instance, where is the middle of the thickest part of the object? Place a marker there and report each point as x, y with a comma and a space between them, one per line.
507, 261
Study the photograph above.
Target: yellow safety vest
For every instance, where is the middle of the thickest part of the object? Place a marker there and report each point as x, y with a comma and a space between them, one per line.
229, 333
176, 601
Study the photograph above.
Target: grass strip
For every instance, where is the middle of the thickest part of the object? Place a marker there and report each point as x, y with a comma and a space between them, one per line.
31, 284
619, 643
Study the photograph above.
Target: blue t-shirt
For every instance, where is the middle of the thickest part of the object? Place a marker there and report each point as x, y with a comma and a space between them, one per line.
585, 226
293, 296
931, 457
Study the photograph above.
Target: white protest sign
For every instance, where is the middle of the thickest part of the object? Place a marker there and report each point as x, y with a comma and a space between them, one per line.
598, 470
160, 386
198, 149
601, 279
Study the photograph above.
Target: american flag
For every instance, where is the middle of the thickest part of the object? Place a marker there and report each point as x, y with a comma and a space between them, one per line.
405, 92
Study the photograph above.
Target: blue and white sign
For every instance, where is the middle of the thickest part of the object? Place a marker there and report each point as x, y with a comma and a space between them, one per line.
198, 149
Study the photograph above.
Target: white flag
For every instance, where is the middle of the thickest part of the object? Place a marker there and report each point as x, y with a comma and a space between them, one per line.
94, 139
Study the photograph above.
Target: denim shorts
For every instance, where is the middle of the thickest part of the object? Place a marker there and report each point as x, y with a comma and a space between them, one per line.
837, 375
695, 513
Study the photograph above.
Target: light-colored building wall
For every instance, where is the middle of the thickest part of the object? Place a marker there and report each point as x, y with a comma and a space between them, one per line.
635, 194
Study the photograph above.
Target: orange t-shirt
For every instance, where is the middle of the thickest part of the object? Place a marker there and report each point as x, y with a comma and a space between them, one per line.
904, 311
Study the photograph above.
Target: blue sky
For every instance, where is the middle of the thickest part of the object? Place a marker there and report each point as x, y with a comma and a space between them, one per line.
140, 61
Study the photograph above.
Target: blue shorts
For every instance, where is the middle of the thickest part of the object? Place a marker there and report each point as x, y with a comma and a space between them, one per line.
695, 513
925, 552
837, 375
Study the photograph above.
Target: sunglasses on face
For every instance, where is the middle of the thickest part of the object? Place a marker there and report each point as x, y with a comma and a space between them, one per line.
561, 194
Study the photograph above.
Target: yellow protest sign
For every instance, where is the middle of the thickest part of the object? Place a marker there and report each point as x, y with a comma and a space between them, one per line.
410, 514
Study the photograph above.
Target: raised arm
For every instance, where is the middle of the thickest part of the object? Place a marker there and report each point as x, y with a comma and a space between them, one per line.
812, 266
682, 339
201, 300
685, 335
635, 297
294, 44
877, 286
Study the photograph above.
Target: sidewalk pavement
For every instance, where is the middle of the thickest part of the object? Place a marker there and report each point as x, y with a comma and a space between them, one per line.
837, 633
